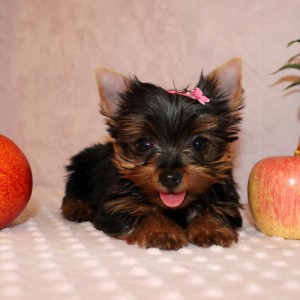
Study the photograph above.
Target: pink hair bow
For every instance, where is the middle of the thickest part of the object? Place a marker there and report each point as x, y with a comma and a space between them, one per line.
193, 94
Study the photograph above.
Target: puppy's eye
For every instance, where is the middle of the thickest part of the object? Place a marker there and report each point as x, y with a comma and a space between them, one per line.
200, 143
143, 145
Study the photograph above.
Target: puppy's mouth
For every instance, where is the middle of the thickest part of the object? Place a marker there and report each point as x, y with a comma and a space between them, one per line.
172, 200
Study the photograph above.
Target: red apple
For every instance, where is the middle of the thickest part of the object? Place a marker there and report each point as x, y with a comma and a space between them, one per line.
15, 181
274, 196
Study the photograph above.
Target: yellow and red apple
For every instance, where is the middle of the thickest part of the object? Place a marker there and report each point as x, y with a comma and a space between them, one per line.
15, 181
274, 196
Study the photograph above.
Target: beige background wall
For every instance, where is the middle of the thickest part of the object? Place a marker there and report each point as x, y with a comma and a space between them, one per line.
49, 50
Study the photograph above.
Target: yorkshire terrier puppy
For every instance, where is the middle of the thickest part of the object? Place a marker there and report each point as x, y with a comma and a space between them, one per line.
166, 178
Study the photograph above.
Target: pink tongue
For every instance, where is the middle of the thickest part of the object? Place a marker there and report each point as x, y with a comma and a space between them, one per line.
172, 199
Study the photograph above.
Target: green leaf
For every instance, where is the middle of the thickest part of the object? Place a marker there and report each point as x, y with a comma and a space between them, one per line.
292, 85
293, 57
292, 42
288, 66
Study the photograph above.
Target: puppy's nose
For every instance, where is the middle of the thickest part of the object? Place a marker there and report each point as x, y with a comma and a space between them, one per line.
170, 179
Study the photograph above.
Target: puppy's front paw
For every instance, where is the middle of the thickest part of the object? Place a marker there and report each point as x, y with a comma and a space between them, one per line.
158, 232
158, 239
205, 233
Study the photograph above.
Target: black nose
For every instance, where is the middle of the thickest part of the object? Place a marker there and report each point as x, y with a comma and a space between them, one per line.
170, 179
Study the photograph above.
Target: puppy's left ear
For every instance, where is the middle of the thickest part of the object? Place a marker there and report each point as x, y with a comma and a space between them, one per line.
229, 80
111, 85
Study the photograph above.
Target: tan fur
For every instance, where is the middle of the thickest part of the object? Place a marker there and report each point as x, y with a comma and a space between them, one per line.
207, 231
76, 210
157, 231
128, 205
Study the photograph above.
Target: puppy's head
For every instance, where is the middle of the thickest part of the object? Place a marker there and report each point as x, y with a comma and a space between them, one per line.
173, 147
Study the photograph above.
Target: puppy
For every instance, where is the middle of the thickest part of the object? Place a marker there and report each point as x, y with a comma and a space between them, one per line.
166, 178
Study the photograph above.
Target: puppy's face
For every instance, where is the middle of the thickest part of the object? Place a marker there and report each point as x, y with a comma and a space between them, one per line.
169, 145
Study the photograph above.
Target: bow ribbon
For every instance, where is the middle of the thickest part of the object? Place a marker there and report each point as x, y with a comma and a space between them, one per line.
196, 94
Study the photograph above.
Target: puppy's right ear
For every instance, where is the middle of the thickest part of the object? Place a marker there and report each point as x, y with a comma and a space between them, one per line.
110, 85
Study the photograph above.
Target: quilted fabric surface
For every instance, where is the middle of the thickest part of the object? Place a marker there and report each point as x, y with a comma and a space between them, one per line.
43, 256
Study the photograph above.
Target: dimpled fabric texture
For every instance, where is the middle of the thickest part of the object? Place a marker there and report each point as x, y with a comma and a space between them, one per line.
45, 256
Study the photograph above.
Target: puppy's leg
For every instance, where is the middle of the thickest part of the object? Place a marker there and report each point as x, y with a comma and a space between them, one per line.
140, 224
216, 226
157, 231
76, 210
90, 174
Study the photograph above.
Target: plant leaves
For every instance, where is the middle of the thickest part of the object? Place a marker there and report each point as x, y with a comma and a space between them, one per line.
288, 66
293, 57
292, 85
292, 42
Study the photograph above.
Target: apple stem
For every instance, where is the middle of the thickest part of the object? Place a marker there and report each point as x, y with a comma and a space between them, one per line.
297, 152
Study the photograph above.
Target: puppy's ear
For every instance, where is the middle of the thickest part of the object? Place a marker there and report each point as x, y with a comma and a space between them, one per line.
110, 85
229, 80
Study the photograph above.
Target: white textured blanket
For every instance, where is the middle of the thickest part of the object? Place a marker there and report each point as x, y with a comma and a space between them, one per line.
44, 257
